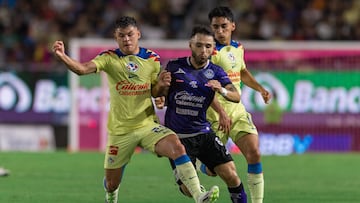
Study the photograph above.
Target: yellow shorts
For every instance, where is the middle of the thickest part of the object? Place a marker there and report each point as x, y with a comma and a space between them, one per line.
241, 126
121, 147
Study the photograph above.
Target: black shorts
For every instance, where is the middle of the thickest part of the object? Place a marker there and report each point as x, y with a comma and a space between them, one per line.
207, 148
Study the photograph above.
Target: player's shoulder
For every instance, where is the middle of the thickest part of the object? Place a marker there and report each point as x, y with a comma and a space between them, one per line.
110, 52
236, 44
179, 60
233, 44
146, 53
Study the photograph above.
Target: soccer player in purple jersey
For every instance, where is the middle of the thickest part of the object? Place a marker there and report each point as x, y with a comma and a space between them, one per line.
194, 82
132, 73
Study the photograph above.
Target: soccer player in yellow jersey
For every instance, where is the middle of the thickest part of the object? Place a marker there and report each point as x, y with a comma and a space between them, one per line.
133, 75
229, 55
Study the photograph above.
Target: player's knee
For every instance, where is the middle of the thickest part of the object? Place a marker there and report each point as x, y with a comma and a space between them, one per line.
253, 155
179, 149
183, 189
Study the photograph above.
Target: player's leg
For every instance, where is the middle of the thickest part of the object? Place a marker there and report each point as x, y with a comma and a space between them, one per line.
228, 174
165, 142
219, 161
249, 146
118, 152
182, 187
171, 147
112, 182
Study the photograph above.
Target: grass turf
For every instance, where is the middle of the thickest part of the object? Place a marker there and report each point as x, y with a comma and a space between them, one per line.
60, 177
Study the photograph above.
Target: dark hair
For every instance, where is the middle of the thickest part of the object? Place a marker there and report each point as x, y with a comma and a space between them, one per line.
201, 29
221, 11
125, 21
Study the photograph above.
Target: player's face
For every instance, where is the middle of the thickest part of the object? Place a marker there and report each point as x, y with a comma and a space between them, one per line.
222, 28
128, 39
201, 47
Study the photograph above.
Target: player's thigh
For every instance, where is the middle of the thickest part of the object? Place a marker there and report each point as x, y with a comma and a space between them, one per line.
213, 152
242, 126
119, 150
152, 134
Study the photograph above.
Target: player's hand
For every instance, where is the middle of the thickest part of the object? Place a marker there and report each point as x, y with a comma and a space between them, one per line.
159, 102
215, 85
164, 78
266, 96
58, 48
224, 123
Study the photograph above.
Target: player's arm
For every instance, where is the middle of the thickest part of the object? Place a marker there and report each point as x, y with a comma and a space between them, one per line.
73, 65
229, 92
161, 88
248, 79
224, 119
159, 102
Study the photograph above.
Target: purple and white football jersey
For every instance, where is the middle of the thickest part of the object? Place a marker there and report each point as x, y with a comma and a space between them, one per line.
189, 96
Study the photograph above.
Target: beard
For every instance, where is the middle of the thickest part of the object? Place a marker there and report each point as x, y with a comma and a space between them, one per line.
200, 60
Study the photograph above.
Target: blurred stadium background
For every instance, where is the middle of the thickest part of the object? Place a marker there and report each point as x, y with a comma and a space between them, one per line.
307, 52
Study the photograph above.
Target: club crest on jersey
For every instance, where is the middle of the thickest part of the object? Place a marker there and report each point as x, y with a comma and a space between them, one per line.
231, 57
209, 74
132, 67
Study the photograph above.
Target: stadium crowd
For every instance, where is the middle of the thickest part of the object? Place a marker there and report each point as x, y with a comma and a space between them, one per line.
28, 27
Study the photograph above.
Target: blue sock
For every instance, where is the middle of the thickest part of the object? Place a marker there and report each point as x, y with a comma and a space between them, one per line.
255, 168
203, 168
181, 160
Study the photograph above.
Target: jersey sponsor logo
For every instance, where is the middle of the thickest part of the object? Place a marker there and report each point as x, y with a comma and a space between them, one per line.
209, 74
180, 71
234, 76
113, 150
178, 80
185, 99
128, 88
188, 112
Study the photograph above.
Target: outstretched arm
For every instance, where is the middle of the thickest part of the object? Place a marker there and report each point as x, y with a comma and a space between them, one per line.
248, 79
73, 65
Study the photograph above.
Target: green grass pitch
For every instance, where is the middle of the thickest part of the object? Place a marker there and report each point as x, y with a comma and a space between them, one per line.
59, 177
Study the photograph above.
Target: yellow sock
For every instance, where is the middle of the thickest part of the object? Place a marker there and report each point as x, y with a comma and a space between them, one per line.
189, 177
256, 187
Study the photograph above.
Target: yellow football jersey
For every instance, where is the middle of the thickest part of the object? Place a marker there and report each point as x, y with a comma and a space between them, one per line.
130, 78
231, 59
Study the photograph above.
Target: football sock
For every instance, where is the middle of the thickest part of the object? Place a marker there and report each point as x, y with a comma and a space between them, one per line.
203, 168
188, 175
237, 194
256, 182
